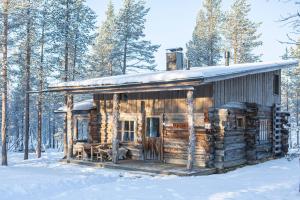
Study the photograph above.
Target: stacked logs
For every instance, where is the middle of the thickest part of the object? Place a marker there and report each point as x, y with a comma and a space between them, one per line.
284, 131
251, 132
228, 129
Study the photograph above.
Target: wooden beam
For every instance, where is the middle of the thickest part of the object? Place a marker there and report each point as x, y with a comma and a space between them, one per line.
130, 90
76, 127
70, 125
115, 142
151, 87
192, 137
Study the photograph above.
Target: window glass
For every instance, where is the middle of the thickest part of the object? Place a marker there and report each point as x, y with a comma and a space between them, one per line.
263, 131
152, 127
240, 122
82, 129
128, 131
276, 84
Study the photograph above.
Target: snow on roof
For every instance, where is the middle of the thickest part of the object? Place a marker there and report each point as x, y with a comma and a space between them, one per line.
78, 106
208, 74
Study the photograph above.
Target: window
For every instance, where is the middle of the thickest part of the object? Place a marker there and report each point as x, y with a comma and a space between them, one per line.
240, 122
82, 128
263, 131
128, 131
276, 84
152, 127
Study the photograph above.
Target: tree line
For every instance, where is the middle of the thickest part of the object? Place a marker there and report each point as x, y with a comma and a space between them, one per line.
58, 40
219, 31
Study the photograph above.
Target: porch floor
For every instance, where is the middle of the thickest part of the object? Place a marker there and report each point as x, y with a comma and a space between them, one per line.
147, 166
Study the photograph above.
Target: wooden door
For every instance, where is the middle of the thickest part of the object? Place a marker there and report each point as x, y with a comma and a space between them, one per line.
153, 141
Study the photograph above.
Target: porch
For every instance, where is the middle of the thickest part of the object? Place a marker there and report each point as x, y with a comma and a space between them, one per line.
153, 167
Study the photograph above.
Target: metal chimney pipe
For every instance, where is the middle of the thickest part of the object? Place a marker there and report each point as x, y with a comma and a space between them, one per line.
227, 58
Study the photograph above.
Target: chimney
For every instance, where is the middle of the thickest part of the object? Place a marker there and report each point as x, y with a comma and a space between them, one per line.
188, 64
227, 58
174, 59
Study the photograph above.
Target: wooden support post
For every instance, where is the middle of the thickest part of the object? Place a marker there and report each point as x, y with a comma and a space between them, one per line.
115, 142
192, 137
70, 125
75, 128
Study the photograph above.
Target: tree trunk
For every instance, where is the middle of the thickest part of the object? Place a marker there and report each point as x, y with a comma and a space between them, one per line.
115, 142
192, 137
40, 97
49, 130
17, 135
66, 76
297, 117
27, 87
4, 81
65, 133
70, 125
125, 58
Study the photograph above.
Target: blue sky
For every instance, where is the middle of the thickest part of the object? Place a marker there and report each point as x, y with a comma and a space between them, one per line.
170, 23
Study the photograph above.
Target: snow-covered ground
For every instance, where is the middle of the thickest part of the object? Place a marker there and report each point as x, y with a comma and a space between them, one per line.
46, 178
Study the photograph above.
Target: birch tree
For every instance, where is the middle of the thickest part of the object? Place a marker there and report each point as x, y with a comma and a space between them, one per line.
205, 47
241, 33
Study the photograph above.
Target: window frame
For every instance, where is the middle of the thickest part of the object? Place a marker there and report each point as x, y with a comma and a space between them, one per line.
276, 84
79, 122
133, 131
242, 120
264, 131
159, 126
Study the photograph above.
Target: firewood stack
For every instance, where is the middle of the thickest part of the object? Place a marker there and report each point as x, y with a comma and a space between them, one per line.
252, 126
284, 131
228, 127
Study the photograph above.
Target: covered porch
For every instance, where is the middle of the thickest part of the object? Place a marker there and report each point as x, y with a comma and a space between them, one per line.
114, 151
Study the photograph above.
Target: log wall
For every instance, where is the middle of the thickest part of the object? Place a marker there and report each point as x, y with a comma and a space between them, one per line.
230, 144
237, 131
171, 108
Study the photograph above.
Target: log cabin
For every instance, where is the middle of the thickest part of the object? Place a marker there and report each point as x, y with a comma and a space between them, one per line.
213, 117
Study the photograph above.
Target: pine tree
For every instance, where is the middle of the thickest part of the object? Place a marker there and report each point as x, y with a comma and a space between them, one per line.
104, 56
205, 47
241, 33
72, 35
5, 5
133, 50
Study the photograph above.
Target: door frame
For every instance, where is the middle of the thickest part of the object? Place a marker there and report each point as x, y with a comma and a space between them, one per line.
161, 134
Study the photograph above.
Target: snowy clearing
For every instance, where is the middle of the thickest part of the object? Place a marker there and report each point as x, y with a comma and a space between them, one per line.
46, 178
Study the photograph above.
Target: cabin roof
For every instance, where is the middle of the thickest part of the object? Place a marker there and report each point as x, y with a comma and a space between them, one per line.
203, 74
85, 105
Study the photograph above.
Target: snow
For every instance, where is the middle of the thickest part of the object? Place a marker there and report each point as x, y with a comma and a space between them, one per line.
207, 73
79, 106
46, 178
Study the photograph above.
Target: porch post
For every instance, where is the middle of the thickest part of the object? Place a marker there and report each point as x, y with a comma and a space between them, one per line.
75, 129
192, 137
70, 125
115, 142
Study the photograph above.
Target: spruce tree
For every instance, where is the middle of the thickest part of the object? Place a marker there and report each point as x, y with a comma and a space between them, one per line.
205, 47
241, 33
133, 50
